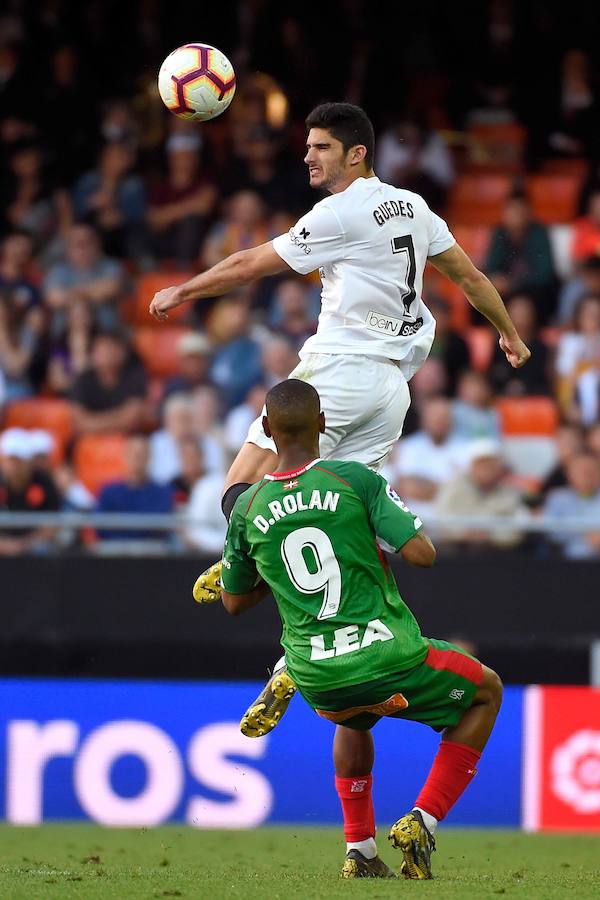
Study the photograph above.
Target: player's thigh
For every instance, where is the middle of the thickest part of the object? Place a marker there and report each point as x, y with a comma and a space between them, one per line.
371, 439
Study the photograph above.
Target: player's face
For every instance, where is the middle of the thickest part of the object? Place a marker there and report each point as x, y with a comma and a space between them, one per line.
326, 159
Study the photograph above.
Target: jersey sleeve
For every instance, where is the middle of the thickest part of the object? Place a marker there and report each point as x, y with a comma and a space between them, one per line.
440, 236
238, 575
391, 520
316, 240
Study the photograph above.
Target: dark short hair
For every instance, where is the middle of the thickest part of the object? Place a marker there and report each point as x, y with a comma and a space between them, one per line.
348, 124
293, 406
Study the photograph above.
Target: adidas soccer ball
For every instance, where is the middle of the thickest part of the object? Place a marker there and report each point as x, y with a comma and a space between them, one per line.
196, 81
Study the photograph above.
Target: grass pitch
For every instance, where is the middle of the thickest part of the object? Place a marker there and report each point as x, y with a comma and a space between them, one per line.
59, 862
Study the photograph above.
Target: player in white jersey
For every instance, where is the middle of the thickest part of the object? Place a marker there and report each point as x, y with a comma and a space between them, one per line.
370, 242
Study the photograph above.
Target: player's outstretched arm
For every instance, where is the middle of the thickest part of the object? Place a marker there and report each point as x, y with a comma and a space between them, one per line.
233, 272
483, 296
419, 551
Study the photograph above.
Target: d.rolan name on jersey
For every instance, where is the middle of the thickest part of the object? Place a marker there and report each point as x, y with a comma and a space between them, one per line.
347, 640
293, 503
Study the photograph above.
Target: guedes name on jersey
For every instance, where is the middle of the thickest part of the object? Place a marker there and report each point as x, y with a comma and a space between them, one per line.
293, 503
389, 209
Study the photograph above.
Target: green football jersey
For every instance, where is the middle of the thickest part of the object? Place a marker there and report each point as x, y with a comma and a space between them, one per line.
311, 535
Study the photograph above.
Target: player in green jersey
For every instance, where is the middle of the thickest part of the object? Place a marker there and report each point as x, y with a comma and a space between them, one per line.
310, 532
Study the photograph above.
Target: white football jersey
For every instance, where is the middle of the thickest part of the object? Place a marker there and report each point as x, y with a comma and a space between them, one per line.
370, 243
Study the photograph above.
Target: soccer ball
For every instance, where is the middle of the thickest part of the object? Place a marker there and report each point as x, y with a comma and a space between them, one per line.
196, 81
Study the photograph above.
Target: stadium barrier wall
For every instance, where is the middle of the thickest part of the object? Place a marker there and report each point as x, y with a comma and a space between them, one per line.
125, 753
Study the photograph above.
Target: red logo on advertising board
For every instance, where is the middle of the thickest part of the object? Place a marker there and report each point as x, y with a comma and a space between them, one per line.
561, 776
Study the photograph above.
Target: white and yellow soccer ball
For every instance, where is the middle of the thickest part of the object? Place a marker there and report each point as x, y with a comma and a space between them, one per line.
197, 82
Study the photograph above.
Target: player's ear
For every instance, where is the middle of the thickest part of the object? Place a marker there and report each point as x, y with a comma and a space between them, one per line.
266, 429
322, 423
357, 154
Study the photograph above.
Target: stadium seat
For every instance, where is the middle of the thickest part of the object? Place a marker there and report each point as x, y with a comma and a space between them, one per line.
575, 166
474, 240
436, 284
478, 199
498, 146
480, 341
158, 348
147, 285
528, 416
99, 458
51, 414
554, 197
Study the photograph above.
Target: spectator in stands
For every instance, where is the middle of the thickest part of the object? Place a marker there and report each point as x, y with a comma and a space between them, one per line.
580, 499
241, 417
236, 363
586, 282
110, 394
278, 358
179, 205
206, 413
22, 319
448, 347
586, 231
192, 467
575, 116
112, 198
520, 256
411, 156
473, 412
577, 362
291, 312
85, 276
244, 225
193, 365
592, 440
534, 378
69, 352
481, 491
24, 488
165, 444
28, 200
136, 493
428, 458
569, 443
207, 528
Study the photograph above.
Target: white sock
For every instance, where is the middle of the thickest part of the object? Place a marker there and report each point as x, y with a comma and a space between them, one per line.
368, 848
429, 820
279, 664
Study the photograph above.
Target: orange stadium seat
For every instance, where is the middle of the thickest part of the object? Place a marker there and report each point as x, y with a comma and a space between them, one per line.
528, 416
147, 286
554, 197
158, 348
480, 341
437, 284
51, 414
474, 240
575, 166
497, 146
478, 199
99, 458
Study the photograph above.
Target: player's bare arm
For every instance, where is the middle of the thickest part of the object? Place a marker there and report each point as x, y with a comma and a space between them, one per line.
233, 272
419, 551
236, 604
483, 296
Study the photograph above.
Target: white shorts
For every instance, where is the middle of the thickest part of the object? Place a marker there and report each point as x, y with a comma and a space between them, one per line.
365, 400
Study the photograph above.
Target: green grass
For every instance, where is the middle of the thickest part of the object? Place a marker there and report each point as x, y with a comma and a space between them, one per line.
84, 861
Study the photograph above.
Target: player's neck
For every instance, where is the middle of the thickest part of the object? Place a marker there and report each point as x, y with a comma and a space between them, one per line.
349, 179
296, 456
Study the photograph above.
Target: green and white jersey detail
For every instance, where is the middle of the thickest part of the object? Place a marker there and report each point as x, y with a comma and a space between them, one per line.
312, 536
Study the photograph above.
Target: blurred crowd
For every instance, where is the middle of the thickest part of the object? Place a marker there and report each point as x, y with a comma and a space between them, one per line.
106, 197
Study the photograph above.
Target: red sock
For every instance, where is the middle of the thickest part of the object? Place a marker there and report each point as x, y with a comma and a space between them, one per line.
357, 806
451, 773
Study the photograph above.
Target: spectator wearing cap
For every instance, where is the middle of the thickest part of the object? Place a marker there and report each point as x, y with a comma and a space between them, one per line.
136, 493
86, 276
24, 488
22, 319
110, 395
579, 499
193, 365
180, 204
481, 491
520, 255
534, 378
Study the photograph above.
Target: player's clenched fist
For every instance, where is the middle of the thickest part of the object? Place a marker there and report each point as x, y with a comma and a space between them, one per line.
207, 588
164, 300
517, 353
